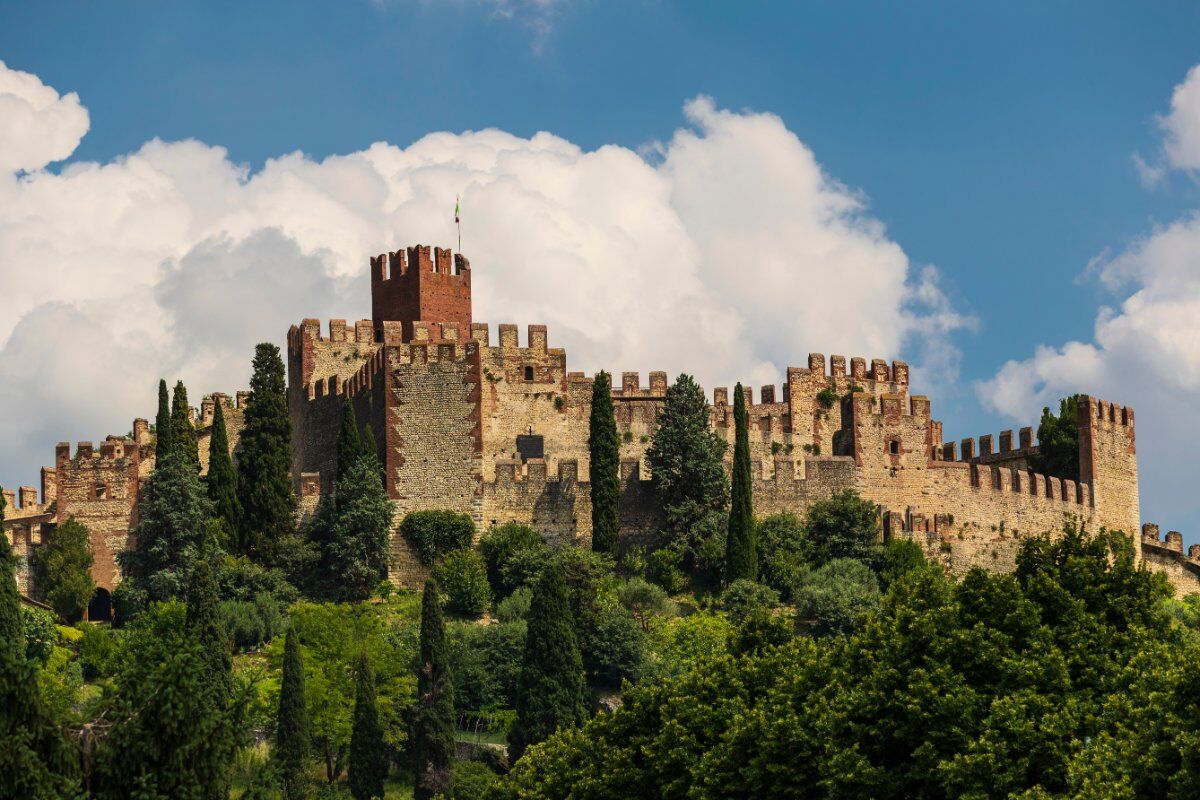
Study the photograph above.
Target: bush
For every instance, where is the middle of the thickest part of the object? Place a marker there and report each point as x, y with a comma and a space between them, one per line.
97, 651
743, 596
435, 533
41, 633
844, 526
898, 558
471, 780
780, 551
241, 579
516, 606
644, 600
616, 649
485, 661
827, 397
251, 624
665, 570
463, 577
830, 598
515, 555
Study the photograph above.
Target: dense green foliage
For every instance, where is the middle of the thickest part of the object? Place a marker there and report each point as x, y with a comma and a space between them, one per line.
604, 454
514, 554
207, 627
349, 443
264, 479
1065, 679
485, 661
36, 760
550, 689
845, 526
433, 722
1058, 441
182, 428
171, 536
743, 598
368, 762
164, 427
462, 575
830, 597
350, 534
173, 738
62, 570
741, 555
780, 541
435, 533
685, 458
292, 734
222, 477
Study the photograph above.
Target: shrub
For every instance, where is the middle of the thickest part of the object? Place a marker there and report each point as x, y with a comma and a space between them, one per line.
644, 600
829, 599
844, 526
97, 651
252, 623
665, 570
485, 661
616, 648
827, 397
780, 549
471, 780
41, 634
515, 555
463, 577
435, 533
514, 607
742, 597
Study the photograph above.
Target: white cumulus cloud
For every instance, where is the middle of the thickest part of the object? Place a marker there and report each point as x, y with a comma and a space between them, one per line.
37, 126
1182, 124
730, 254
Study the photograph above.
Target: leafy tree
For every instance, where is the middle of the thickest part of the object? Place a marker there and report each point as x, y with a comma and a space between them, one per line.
349, 443
351, 534
36, 760
169, 738
829, 598
222, 477
182, 427
550, 691
62, 570
473, 780
685, 458
644, 600
742, 597
604, 453
368, 758
616, 649
1058, 441
898, 558
207, 627
741, 557
463, 576
844, 526
433, 723
264, 477
780, 540
292, 736
515, 555
164, 428
485, 661
435, 533
371, 450
171, 535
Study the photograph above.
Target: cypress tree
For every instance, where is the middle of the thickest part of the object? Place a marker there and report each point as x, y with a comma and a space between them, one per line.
207, 626
164, 428
741, 555
292, 736
604, 451
351, 534
550, 689
349, 444
264, 478
222, 478
36, 760
433, 723
184, 430
368, 760
371, 451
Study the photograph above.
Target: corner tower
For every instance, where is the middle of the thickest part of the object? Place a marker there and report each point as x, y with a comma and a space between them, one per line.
1108, 461
410, 286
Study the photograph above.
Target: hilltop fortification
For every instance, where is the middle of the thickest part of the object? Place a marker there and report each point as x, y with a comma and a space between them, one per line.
498, 429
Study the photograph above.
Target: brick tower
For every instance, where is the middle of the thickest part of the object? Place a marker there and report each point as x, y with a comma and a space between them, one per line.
408, 287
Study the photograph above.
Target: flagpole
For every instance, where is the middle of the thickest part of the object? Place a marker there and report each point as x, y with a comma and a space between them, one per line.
458, 222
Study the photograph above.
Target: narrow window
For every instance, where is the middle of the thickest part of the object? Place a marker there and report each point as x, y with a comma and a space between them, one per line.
529, 374
895, 447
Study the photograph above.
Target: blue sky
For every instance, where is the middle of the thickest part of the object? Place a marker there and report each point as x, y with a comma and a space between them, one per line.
995, 142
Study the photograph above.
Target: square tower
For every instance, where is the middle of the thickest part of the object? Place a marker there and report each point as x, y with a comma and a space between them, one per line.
409, 287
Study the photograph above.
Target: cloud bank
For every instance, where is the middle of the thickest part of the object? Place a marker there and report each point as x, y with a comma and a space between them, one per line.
729, 253
1145, 348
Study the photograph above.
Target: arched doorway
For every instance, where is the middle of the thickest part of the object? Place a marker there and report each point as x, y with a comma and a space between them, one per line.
100, 609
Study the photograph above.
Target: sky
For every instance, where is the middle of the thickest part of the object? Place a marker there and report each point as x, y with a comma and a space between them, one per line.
1004, 195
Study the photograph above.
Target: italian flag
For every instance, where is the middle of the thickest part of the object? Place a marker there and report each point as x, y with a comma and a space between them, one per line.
456, 209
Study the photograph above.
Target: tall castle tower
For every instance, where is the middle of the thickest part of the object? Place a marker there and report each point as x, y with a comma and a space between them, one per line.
409, 286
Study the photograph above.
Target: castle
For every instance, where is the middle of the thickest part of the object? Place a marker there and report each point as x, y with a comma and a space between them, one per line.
498, 430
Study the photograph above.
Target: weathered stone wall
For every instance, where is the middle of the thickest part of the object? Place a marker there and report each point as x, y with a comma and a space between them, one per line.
27, 523
1167, 557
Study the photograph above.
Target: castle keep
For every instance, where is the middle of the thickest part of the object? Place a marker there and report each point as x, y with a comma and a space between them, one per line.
498, 429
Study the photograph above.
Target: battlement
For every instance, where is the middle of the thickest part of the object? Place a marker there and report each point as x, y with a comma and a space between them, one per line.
859, 372
1167, 556
113, 449
394, 265
208, 406
1021, 481
361, 332
23, 502
1104, 414
410, 286
986, 446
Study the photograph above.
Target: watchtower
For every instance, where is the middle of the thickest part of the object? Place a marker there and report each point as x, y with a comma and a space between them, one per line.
410, 286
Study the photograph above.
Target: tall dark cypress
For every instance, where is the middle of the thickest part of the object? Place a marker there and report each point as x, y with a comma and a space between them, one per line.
293, 738
36, 760
370, 450
207, 626
741, 555
433, 722
164, 428
184, 429
222, 478
264, 479
550, 689
604, 451
368, 760
349, 444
